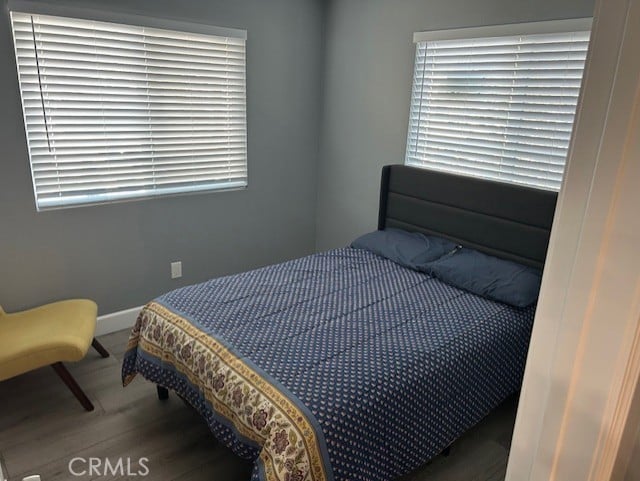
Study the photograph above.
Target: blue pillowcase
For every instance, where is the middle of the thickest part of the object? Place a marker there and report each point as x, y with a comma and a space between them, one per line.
409, 249
488, 276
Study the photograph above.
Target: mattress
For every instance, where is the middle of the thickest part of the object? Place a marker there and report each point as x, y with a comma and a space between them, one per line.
337, 366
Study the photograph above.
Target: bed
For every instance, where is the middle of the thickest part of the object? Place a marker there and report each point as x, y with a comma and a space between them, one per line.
344, 365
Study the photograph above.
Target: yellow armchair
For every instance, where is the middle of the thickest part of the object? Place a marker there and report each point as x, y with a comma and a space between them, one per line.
49, 335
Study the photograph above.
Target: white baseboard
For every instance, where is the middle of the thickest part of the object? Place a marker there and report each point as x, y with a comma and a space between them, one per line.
117, 321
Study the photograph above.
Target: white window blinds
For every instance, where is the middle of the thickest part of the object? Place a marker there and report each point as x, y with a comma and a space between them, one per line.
115, 111
499, 107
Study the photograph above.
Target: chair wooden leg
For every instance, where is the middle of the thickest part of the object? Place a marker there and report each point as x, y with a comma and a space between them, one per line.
71, 383
163, 393
98, 347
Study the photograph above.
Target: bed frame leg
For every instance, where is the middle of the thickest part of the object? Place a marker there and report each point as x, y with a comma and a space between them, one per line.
163, 393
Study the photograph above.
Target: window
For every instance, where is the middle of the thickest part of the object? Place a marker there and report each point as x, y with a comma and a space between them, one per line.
497, 102
116, 111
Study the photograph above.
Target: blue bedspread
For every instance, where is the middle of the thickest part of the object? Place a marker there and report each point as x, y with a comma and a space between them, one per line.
384, 366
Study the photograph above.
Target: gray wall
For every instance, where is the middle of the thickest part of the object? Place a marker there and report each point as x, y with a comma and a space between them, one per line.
368, 74
323, 76
119, 254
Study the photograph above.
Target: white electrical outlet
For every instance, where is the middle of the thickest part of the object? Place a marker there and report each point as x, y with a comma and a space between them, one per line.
176, 269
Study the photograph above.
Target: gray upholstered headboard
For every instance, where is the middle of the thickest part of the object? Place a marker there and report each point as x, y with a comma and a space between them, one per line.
503, 220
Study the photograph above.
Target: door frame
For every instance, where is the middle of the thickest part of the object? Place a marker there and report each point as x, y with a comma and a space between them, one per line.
584, 358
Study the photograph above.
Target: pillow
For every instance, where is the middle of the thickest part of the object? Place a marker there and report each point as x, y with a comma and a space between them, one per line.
409, 249
490, 277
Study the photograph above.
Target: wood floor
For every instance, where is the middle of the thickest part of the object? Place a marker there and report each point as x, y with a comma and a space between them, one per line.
42, 427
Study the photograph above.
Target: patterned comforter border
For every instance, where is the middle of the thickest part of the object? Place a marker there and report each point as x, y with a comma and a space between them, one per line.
255, 406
